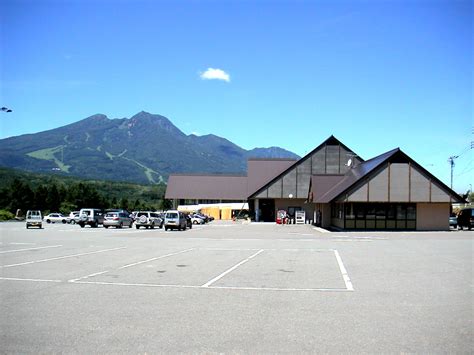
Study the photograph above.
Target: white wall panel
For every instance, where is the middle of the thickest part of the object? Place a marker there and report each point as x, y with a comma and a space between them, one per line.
274, 190
399, 183
438, 195
332, 159
289, 184
419, 187
378, 188
359, 195
304, 175
319, 162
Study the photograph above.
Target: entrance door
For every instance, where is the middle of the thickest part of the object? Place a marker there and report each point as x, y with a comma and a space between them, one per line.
267, 208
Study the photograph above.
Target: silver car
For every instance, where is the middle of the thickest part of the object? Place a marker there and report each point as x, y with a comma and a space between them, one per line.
117, 220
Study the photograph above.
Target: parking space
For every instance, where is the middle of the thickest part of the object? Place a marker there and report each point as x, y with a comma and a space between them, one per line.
229, 287
245, 269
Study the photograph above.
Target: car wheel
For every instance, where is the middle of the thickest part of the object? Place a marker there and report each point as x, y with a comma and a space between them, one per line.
73, 221
82, 225
120, 225
137, 227
27, 227
48, 221
106, 227
64, 221
152, 226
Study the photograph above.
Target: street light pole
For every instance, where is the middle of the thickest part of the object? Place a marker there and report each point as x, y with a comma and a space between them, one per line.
451, 162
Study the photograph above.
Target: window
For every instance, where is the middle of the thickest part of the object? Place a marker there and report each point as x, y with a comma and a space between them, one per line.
376, 215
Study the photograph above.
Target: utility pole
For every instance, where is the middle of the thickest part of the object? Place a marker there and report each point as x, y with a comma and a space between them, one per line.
451, 162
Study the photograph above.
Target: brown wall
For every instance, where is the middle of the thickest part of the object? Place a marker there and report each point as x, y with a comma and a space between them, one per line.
432, 216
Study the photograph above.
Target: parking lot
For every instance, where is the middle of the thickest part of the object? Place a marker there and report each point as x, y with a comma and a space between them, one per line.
232, 287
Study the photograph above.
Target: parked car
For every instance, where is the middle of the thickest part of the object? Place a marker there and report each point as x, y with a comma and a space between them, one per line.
196, 220
34, 219
90, 216
205, 217
175, 220
148, 219
453, 221
117, 220
466, 218
73, 217
55, 218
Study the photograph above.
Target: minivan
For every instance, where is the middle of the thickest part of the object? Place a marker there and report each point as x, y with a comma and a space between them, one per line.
175, 220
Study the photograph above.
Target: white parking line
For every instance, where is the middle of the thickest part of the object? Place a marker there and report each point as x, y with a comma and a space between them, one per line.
130, 265
215, 287
345, 276
280, 289
210, 282
60, 257
21, 243
34, 280
87, 276
13, 251
152, 259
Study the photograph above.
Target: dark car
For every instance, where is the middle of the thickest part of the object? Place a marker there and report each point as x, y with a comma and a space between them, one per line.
466, 218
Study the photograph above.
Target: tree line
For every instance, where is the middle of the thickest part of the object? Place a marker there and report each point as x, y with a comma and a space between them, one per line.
57, 196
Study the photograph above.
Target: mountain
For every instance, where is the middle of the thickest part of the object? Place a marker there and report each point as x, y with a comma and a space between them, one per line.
145, 148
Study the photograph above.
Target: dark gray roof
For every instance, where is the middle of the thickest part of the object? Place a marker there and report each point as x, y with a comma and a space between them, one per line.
321, 184
261, 171
207, 187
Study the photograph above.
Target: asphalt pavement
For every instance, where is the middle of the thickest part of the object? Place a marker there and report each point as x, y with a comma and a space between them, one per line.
234, 288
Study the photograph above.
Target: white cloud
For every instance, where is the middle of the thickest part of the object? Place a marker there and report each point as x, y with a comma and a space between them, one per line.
215, 74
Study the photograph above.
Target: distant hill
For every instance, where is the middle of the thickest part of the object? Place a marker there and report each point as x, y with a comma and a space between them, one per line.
144, 149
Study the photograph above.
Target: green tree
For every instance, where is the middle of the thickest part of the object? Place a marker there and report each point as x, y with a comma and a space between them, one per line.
53, 200
124, 204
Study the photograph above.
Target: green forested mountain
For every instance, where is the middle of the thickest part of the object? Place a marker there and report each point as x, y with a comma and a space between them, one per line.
145, 149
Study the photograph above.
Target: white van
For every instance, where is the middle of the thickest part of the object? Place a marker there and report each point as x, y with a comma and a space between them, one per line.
34, 219
175, 220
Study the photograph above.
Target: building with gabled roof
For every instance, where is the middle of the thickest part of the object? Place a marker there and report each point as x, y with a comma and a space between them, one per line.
334, 187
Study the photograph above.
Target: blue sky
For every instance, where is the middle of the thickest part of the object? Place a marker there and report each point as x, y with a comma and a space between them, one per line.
376, 74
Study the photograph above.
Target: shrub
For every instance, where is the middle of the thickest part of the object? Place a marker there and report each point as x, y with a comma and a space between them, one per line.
6, 215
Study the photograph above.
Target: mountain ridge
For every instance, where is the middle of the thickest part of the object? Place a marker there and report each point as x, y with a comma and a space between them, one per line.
145, 148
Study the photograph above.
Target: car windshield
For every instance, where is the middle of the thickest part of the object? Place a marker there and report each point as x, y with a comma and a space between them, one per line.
111, 214
171, 215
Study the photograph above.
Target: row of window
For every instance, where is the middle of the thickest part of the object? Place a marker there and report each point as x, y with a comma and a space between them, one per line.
381, 211
375, 215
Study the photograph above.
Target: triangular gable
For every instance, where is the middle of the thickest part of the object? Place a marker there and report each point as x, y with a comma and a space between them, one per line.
392, 177
329, 158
